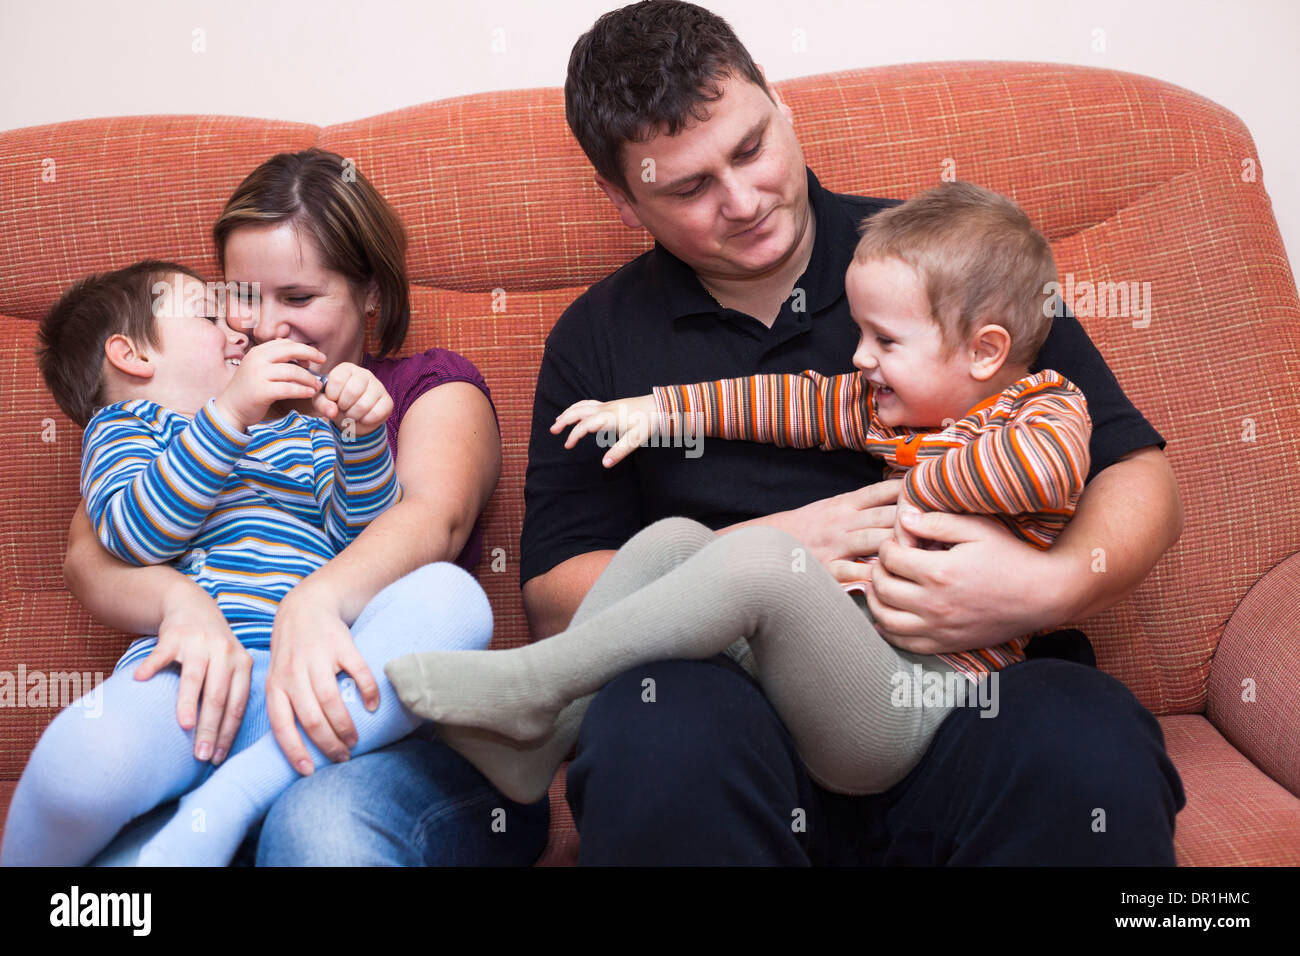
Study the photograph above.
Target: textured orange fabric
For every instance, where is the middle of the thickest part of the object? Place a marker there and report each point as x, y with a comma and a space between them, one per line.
562, 845
1133, 181
135, 187
1255, 681
1235, 815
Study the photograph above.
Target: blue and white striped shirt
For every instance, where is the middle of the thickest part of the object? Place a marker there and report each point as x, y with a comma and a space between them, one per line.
247, 515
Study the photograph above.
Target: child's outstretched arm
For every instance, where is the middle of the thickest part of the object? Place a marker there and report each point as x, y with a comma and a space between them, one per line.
631, 420
804, 410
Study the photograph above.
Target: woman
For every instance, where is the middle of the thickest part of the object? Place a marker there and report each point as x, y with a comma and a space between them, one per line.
328, 256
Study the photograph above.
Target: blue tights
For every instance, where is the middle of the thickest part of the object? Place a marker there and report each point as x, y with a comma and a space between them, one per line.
103, 762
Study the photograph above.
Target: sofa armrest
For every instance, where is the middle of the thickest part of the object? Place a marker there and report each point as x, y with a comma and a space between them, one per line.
1254, 685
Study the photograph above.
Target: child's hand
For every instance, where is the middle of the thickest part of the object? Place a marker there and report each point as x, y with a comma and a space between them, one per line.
215, 668
633, 420
268, 373
354, 394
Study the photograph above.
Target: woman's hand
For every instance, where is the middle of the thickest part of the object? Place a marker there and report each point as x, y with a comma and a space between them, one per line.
214, 666
310, 645
634, 420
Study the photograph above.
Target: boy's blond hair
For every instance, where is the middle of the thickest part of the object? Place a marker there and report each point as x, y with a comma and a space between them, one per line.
979, 259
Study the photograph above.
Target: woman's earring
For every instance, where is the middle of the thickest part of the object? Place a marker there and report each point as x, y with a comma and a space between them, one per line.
370, 312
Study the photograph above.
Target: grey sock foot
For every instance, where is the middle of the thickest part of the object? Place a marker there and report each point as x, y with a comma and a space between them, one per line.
490, 690
522, 772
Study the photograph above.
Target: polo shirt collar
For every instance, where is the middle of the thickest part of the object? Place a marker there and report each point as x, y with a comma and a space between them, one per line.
822, 281
837, 238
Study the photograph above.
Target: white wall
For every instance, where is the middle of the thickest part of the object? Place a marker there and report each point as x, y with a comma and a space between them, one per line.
324, 61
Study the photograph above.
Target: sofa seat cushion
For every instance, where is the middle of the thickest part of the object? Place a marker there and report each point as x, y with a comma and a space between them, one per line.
1235, 815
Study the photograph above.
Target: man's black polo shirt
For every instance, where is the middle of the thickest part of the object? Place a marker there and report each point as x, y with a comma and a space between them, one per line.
653, 323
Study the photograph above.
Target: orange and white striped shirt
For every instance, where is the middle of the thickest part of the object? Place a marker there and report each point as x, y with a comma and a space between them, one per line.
1020, 456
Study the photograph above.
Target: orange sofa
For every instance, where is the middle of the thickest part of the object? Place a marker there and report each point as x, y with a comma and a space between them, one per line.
1133, 180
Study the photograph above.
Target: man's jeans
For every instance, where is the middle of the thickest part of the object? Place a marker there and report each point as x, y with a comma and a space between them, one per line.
414, 803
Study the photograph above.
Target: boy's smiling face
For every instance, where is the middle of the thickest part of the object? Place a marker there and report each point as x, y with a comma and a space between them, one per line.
197, 351
918, 382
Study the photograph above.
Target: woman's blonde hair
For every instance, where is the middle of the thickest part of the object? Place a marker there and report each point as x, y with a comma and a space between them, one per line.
357, 232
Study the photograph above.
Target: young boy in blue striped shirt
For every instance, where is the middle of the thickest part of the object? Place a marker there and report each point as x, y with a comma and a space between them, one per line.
178, 466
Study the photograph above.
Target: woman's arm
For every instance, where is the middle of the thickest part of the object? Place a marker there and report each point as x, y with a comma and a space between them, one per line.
117, 594
158, 599
448, 463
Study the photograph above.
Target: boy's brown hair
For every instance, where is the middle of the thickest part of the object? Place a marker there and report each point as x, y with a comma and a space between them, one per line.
979, 258
73, 332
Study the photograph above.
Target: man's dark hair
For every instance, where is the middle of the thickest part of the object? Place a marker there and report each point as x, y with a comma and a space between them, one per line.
72, 334
646, 69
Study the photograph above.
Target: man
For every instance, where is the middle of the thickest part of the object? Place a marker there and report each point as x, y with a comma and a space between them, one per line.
686, 762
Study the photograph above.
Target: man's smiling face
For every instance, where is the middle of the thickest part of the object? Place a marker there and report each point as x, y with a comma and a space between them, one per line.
729, 195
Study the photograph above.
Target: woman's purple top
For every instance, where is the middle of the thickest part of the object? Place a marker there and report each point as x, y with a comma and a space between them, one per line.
406, 380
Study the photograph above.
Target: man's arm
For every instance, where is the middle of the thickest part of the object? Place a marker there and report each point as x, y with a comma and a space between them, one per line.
577, 513
551, 599
1133, 512
931, 602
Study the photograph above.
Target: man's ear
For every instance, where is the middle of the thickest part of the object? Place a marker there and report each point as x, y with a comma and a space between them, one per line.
126, 358
990, 346
626, 211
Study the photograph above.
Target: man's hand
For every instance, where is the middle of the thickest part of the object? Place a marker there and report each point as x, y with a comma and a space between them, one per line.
986, 589
634, 420
841, 529
268, 373
215, 666
310, 645
354, 393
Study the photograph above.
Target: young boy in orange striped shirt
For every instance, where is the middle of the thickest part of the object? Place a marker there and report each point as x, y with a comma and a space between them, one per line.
950, 294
